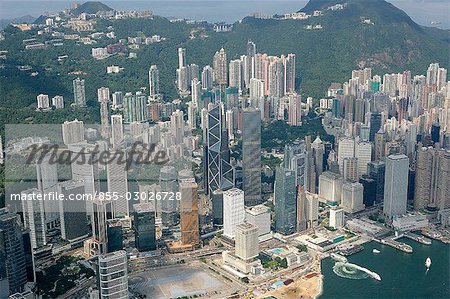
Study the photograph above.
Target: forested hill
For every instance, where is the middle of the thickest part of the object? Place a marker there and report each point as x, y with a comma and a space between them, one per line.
370, 33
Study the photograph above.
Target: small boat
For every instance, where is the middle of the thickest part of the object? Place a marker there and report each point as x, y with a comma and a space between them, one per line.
428, 263
376, 251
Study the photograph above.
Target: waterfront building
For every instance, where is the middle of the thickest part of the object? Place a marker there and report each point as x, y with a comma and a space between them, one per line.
395, 185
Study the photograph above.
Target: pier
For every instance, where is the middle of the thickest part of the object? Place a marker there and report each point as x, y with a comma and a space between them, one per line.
397, 245
417, 238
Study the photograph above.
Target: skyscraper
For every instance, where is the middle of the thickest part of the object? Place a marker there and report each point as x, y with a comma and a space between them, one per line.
301, 209
233, 211
79, 93
112, 275
47, 178
135, 108
101, 212
189, 225
251, 49
219, 174
251, 156
207, 77
380, 144
153, 81
34, 217
177, 126
275, 80
396, 185
236, 75
375, 125
247, 246
117, 178
168, 183
363, 152
220, 67
346, 149
285, 197
376, 171
73, 217
181, 57
144, 226
12, 255
435, 132
196, 93
103, 99
116, 130
289, 73
295, 110
352, 197
432, 189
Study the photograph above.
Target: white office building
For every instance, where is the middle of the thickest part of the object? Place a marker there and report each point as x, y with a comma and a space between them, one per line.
233, 211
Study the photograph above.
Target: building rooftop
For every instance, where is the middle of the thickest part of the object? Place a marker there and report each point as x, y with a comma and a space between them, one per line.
143, 207
257, 210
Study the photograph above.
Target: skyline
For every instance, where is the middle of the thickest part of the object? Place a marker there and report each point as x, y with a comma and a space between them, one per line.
222, 11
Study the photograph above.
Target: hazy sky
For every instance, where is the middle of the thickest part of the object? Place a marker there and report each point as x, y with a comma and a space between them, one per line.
421, 11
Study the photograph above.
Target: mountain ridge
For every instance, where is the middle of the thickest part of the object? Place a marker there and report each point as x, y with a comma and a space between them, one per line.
91, 7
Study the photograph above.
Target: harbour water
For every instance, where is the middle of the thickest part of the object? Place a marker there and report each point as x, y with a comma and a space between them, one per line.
403, 275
